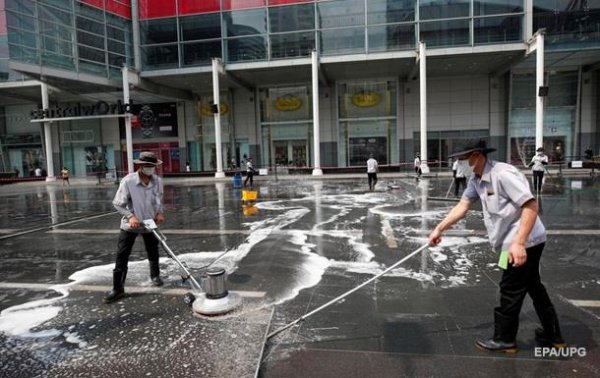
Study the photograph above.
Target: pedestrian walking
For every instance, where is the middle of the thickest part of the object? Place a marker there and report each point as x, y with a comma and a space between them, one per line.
417, 165
64, 174
188, 168
460, 170
517, 233
372, 169
138, 198
538, 164
249, 172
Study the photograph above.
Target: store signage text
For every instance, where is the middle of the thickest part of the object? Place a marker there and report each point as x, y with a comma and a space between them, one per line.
288, 103
79, 110
366, 99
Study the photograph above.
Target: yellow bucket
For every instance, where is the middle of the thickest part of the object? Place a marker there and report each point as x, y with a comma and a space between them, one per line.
249, 195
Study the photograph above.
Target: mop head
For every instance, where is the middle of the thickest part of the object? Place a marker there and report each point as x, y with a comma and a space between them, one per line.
205, 306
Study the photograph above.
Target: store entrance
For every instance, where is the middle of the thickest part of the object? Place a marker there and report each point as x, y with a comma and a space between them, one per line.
291, 152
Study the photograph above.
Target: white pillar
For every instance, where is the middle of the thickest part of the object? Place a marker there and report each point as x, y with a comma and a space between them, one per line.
539, 82
128, 136
317, 171
48, 137
216, 67
423, 103
137, 56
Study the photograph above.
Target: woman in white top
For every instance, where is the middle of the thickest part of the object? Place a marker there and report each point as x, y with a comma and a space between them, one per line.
538, 163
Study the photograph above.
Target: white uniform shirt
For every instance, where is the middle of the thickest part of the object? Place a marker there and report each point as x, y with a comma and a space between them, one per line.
462, 169
417, 162
372, 166
502, 190
135, 198
538, 162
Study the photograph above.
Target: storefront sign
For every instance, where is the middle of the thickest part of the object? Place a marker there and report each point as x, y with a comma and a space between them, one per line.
288, 103
154, 121
366, 99
206, 110
101, 108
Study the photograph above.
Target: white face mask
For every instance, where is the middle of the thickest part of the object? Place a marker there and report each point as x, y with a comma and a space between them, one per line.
148, 171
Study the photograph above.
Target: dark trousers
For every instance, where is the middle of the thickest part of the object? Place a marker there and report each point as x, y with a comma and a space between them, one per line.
249, 176
418, 171
372, 180
125, 244
516, 283
538, 176
458, 181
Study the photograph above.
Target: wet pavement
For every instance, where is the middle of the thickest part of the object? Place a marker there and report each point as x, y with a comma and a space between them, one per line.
304, 243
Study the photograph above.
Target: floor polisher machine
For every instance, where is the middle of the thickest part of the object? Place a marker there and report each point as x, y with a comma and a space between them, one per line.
209, 298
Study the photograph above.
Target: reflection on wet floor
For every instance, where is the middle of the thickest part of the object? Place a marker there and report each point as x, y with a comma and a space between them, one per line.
299, 238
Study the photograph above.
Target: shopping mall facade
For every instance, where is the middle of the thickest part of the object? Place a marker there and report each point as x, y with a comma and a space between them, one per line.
480, 80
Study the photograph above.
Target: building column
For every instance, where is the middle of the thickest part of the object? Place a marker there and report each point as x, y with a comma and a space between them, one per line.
539, 83
48, 137
217, 67
317, 171
423, 105
128, 135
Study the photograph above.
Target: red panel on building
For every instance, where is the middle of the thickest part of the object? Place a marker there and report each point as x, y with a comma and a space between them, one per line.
243, 4
119, 7
157, 8
94, 3
198, 6
286, 2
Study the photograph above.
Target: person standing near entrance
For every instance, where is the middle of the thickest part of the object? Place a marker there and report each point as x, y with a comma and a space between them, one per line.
138, 198
64, 173
372, 169
515, 231
417, 165
249, 172
538, 162
459, 172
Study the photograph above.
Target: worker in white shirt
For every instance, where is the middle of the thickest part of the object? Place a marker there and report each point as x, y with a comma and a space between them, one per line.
372, 168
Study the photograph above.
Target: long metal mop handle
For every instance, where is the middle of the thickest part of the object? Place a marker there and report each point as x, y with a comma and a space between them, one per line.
346, 293
161, 239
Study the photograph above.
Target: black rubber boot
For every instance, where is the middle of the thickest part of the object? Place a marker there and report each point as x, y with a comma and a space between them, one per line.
505, 332
118, 290
549, 334
155, 274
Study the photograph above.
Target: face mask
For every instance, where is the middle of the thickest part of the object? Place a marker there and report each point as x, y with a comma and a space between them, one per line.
148, 171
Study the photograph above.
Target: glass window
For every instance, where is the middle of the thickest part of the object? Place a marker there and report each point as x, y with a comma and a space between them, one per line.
245, 22
498, 29
486, 7
391, 37
206, 26
115, 33
93, 68
387, 12
22, 6
54, 15
159, 57
20, 21
22, 37
445, 33
91, 12
434, 9
333, 14
90, 26
56, 60
246, 49
90, 39
116, 60
291, 45
342, 41
566, 26
299, 17
200, 53
158, 31
89, 53
115, 46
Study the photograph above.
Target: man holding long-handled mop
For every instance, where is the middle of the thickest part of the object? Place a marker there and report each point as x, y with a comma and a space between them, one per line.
139, 197
517, 233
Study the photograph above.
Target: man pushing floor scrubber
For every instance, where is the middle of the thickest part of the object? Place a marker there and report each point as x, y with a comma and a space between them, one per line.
139, 197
